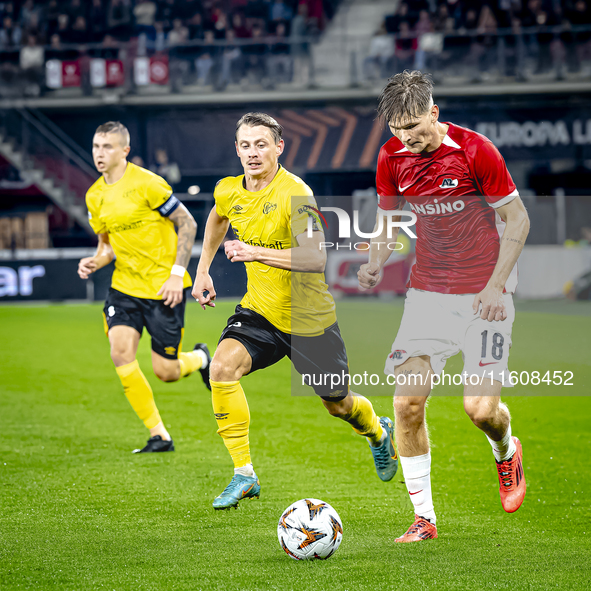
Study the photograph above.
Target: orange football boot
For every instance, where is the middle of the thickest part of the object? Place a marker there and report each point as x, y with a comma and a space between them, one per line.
421, 529
512, 480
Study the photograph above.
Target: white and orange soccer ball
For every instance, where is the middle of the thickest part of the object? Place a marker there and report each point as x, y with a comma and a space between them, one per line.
310, 529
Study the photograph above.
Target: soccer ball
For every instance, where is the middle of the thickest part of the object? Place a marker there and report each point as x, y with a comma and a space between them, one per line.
310, 529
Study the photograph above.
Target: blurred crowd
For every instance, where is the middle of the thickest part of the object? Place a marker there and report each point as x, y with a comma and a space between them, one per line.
33, 31
267, 42
162, 21
440, 33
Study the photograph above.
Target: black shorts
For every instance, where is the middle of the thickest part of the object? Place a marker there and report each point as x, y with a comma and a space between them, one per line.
165, 324
311, 356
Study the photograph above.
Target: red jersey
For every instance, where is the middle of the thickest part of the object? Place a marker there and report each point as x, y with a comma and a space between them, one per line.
454, 191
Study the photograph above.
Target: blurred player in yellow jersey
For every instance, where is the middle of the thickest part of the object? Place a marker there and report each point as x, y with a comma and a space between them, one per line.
287, 309
134, 213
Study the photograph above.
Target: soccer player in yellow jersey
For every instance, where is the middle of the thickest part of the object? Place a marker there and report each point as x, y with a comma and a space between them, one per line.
134, 213
287, 309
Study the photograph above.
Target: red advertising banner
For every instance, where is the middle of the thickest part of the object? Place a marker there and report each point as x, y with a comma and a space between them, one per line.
115, 73
152, 70
71, 73
159, 69
106, 72
61, 74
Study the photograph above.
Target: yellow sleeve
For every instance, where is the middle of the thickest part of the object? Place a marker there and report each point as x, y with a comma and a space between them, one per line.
220, 195
303, 208
93, 216
158, 191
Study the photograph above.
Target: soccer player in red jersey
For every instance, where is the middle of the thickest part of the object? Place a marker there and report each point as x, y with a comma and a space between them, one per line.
471, 227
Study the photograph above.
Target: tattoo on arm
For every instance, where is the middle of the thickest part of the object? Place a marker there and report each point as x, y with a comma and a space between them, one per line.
186, 229
514, 240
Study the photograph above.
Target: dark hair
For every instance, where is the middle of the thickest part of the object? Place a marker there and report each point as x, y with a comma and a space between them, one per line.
115, 127
254, 119
407, 94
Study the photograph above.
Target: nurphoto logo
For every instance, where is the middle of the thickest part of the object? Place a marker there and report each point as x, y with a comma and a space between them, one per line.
345, 227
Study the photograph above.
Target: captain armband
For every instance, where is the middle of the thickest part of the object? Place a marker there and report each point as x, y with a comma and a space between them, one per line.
168, 206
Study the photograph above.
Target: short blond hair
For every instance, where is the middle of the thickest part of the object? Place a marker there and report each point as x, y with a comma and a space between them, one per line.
115, 127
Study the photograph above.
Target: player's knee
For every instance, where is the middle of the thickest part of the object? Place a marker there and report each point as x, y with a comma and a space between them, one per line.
409, 409
478, 409
222, 371
121, 355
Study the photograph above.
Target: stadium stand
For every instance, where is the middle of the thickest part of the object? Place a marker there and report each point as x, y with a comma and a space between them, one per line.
520, 39
53, 45
149, 46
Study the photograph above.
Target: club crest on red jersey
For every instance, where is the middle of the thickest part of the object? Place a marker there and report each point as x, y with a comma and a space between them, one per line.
448, 183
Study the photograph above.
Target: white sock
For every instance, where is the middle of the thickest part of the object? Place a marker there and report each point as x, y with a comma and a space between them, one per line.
504, 449
204, 359
247, 470
417, 475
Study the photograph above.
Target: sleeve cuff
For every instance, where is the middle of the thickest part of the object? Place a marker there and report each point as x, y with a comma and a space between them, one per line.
505, 200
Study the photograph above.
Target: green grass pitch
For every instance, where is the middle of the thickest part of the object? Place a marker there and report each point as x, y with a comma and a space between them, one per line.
78, 511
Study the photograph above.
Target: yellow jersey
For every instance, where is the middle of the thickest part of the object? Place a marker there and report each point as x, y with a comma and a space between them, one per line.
295, 303
133, 212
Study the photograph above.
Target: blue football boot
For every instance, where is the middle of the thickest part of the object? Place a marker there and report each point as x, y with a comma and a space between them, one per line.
240, 487
384, 456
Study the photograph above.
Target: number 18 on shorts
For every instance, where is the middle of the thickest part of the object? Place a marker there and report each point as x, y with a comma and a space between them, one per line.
442, 325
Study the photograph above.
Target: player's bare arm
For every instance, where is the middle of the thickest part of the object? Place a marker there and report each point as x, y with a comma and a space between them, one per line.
490, 298
307, 257
369, 274
215, 230
172, 290
187, 230
103, 256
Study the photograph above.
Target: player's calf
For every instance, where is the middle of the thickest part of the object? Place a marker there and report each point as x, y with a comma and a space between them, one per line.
168, 374
488, 414
379, 432
409, 419
492, 416
166, 369
339, 407
410, 409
